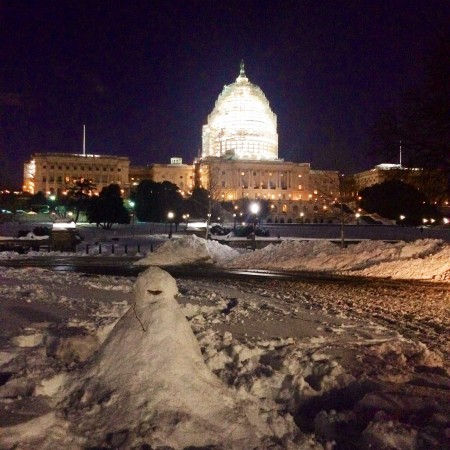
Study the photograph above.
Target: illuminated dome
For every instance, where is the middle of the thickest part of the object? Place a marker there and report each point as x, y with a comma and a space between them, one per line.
241, 125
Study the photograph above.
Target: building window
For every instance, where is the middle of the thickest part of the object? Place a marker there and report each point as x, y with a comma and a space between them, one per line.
44, 179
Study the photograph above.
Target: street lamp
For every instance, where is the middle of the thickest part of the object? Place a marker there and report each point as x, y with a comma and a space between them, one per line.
302, 214
170, 216
254, 209
234, 221
357, 215
186, 219
131, 205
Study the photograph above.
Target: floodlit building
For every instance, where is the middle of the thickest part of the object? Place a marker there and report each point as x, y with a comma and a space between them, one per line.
432, 182
242, 125
176, 172
53, 173
239, 159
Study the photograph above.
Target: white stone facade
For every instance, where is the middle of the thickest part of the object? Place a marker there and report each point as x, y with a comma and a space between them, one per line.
241, 126
52, 173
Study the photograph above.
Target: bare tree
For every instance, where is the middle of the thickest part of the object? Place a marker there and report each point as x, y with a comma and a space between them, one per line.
213, 181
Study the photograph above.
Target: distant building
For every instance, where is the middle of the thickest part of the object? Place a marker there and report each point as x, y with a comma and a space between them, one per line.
241, 125
433, 183
239, 160
182, 175
52, 173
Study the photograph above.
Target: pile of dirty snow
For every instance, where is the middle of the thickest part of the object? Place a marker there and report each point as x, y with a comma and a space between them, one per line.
435, 267
188, 250
322, 255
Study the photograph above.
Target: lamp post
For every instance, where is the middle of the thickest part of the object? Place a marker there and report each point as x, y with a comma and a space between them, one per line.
131, 204
234, 221
170, 216
302, 214
254, 209
186, 220
357, 215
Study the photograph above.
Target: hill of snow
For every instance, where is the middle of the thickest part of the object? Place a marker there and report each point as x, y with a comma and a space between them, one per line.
425, 259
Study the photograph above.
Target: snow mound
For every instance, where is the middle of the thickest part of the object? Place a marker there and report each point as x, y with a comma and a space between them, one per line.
322, 255
435, 267
286, 255
148, 384
188, 250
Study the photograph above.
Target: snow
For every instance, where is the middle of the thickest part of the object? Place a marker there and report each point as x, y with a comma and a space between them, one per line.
188, 250
426, 259
111, 362
152, 360
377, 258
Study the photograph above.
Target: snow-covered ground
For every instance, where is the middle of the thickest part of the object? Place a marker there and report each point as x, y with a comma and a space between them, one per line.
111, 362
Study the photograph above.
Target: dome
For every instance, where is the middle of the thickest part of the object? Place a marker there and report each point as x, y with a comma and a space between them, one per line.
241, 125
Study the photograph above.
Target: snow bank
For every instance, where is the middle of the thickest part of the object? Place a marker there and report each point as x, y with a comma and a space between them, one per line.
188, 250
434, 267
424, 259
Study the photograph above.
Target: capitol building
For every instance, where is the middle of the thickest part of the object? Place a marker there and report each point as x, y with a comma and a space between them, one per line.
238, 162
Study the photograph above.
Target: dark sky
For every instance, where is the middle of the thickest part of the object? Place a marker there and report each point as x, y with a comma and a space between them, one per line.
144, 75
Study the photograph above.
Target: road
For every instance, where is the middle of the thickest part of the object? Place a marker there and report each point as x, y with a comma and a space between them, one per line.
123, 266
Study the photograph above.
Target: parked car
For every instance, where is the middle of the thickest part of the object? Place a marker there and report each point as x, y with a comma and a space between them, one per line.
219, 230
247, 230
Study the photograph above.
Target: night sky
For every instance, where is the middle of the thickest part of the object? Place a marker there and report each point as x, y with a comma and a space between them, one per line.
144, 75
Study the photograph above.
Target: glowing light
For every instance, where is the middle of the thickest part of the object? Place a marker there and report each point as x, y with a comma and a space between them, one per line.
254, 208
241, 124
